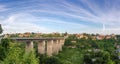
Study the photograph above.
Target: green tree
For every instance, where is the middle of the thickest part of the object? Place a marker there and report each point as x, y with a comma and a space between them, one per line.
30, 58
5, 43
17, 55
2, 53
68, 42
13, 55
52, 60
4, 46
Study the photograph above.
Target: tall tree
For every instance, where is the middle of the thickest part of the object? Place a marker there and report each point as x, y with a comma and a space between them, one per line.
1, 30
16, 55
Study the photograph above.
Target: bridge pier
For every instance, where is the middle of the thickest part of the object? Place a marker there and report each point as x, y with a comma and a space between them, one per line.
63, 41
60, 45
41, 47
29, 46
55, 47
49, 47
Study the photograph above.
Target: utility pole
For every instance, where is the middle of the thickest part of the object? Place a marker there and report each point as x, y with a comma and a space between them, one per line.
1, 31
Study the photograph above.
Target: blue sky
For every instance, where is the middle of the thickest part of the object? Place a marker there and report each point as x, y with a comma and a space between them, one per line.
73, 16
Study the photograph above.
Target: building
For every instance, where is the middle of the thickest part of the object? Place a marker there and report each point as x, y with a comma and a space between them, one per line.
100, 37
79, 36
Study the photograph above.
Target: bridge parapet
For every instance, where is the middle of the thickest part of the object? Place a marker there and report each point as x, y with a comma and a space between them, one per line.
47, 38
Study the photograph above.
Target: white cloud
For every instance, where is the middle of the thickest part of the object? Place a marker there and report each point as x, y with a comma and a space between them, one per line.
62, 22
18, 23
27, 23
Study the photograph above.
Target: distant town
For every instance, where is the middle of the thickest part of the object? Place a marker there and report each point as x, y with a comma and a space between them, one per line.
57, 34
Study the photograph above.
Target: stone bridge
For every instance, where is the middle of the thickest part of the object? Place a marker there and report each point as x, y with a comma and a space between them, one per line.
47, 46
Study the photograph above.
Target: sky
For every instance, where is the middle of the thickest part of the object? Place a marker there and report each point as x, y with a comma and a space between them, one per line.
72, 16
